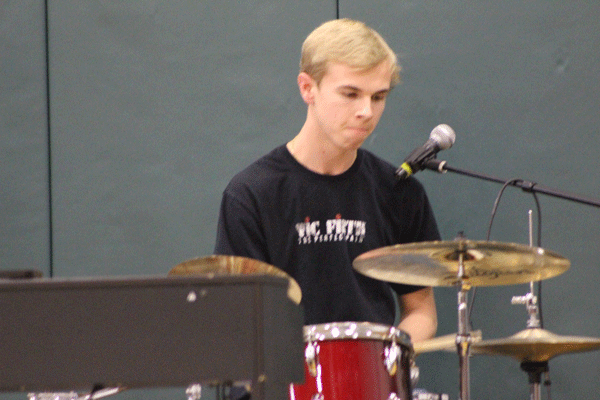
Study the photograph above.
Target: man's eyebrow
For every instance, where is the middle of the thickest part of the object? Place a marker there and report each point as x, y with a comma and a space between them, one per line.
350, 87
383, 91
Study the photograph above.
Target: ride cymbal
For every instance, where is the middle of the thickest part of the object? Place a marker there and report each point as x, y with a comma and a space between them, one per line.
437, 263
235, 265
535, 345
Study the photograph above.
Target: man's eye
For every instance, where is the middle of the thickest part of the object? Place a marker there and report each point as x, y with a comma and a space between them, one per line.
351, 95
379, 97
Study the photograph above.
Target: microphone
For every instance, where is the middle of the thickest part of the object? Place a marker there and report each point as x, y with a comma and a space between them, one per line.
442, 137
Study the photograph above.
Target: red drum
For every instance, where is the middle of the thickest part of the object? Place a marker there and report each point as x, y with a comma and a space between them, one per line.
355, 361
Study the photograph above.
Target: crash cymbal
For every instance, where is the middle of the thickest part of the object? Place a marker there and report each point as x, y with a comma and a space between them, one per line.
536, 345
445, 343
436, 263
235, 265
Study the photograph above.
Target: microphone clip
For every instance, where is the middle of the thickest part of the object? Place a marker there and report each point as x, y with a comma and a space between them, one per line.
436, 165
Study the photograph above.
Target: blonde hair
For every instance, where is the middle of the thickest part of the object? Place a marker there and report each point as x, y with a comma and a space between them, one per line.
349, 42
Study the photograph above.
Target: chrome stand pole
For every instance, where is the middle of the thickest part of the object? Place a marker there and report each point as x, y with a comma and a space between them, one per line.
463, 337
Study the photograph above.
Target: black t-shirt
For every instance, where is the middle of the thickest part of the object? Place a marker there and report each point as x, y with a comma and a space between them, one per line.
313, 226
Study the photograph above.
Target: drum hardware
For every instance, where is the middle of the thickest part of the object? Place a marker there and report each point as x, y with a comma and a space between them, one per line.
415, 373
311, 354
461, 263
534, 346
483, 264
463, 336
530, 302
391, 357
446, 343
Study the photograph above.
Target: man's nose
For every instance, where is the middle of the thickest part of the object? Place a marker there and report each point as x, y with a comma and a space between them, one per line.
366, 108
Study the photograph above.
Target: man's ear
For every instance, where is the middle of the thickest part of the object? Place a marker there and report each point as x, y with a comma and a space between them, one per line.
306, 84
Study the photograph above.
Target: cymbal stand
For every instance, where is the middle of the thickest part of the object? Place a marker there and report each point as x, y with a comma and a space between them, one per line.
530, 299
463, 336
533, 369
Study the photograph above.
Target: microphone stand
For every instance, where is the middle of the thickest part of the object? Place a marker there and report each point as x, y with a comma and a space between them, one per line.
441, 166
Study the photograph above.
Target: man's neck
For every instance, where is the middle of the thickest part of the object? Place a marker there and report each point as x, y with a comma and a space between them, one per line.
319, 156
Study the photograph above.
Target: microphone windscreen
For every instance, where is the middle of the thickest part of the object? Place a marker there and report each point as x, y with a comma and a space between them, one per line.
443, 135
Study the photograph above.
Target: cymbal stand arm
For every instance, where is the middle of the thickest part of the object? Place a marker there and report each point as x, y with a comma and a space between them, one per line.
463, 337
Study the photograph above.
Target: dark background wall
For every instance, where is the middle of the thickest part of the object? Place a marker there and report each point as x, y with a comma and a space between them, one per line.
121, 123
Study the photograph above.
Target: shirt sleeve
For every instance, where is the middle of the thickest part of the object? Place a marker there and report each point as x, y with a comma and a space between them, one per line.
421, 223
239, 231
423, 227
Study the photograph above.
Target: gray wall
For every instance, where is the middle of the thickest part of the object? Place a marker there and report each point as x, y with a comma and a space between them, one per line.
24, 196
153, 106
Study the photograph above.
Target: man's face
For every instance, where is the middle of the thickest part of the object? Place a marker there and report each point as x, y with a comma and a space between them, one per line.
347, 103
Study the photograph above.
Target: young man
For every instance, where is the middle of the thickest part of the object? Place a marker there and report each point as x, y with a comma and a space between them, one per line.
311, 206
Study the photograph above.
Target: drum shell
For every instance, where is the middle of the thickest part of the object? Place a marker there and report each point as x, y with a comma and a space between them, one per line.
352, 366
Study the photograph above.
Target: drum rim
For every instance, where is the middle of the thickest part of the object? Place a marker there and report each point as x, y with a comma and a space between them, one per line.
355, 330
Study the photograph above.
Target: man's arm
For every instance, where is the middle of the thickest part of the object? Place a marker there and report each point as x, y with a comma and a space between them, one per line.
418, 314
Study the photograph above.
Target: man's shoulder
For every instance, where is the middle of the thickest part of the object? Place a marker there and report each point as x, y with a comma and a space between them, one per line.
384, 172
263, 171
374, 161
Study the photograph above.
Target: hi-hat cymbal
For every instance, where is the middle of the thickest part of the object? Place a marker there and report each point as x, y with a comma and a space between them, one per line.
436, 263
535, 345
235, 265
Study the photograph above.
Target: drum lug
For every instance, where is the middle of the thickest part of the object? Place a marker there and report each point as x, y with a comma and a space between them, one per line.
391, 357
393, 396
311, 354
414, 373
318, 396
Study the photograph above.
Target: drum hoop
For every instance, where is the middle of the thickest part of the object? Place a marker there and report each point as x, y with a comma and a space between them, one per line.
355, 330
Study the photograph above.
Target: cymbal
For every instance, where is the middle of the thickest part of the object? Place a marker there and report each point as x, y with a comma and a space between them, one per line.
445, 342
235, 265
535, 344
436, 263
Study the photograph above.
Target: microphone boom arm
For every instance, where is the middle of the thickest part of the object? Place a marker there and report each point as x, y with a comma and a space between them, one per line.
441, 166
